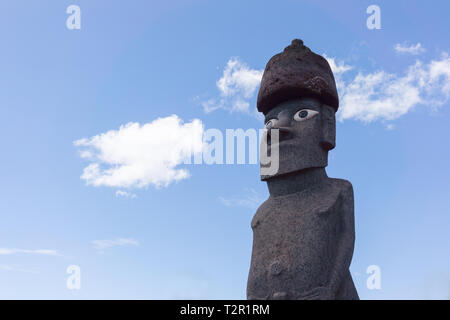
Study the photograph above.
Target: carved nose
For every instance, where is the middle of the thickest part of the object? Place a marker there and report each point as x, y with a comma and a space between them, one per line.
283, 124
284, 134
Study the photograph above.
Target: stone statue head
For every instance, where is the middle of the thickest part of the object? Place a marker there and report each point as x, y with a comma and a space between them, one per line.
298, 97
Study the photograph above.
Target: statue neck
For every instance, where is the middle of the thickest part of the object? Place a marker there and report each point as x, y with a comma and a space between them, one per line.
296, 181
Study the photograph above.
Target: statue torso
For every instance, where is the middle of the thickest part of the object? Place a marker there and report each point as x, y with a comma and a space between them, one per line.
294, 241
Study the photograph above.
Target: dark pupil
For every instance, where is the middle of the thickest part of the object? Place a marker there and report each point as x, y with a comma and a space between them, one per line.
303, 114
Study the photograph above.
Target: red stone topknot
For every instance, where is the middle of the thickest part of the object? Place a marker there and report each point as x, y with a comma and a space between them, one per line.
295, 73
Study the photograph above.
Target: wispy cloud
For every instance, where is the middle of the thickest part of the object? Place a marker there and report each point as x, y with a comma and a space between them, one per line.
141, 155
46, 252
338, 67
381, 95
364, 96
4, 267
236, 87
125, 194
250, 199
411, 49
119, 242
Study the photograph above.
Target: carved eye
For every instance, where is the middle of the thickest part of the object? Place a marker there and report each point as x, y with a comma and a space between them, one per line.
269, 124
304, 114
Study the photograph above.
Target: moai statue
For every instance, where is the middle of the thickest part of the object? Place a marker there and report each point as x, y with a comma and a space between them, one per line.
303, 234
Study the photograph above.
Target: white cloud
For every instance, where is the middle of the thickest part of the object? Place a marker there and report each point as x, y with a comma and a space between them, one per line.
8, 268
382, 95
125, 194
365, 96
139, 155
237, 86
251, 199
119, 242
239, 78
338, 68
412, 49
47, 252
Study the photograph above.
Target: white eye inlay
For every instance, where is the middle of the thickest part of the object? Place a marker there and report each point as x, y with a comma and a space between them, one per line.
269, 124
304, 114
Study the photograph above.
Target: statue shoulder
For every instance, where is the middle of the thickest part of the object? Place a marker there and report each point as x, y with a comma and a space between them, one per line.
343, 185
345, 188
260, 212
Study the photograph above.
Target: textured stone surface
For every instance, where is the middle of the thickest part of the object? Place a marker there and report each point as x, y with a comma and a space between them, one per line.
296, 72
303, 234
303, 144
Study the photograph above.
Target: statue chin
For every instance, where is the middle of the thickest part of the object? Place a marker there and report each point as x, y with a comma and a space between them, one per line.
295, 157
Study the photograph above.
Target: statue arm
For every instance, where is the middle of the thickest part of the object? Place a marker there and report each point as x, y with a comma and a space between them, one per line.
346, 241
344, 249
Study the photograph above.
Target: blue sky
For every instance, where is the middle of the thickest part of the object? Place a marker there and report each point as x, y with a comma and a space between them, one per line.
145, 235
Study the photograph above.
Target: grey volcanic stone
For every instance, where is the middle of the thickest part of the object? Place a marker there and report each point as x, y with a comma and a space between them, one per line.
303, 234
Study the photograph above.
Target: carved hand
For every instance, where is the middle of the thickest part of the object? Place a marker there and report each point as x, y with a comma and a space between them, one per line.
319, 293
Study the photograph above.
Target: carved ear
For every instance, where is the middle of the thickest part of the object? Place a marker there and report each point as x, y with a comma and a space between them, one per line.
328, 128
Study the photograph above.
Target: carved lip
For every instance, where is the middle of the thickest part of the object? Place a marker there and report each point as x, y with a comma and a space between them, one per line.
281, 144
